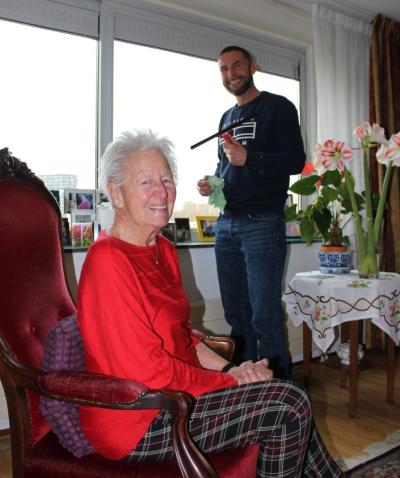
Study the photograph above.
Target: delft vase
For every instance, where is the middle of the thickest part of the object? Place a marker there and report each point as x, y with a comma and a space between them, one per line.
335, 262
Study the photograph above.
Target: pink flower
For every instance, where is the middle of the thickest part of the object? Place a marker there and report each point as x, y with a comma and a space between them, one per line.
332, 154
390, 151
370, 134
361, 132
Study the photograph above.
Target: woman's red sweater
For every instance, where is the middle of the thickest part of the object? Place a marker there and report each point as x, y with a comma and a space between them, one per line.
133, 316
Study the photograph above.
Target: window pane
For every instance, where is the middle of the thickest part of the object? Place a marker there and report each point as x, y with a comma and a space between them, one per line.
48, 101
181, 97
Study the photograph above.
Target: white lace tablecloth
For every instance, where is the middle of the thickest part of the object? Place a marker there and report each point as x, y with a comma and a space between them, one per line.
324, 301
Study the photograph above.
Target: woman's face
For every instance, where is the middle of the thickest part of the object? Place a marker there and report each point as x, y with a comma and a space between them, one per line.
146, 200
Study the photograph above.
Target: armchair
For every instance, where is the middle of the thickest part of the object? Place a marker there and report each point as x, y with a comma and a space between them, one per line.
34, 295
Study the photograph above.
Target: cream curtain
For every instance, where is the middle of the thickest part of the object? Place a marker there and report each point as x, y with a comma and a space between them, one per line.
341, 56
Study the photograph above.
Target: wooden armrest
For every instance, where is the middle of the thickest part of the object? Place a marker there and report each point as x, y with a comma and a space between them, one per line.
222, 345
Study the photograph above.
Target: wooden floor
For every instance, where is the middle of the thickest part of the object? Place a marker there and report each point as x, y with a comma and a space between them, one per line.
343, 436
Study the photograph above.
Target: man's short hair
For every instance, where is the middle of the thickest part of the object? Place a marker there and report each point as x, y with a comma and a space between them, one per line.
245, 52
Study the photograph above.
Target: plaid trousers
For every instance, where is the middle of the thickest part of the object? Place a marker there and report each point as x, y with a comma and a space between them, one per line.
276, 414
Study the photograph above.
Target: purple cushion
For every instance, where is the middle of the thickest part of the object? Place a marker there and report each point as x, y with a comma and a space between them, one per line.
63, 350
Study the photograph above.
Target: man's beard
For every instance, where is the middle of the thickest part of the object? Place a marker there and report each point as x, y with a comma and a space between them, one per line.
242, 90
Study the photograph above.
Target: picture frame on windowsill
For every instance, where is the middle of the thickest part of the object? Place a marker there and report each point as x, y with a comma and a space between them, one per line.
182, 229
168, 231
79, 201
206, 226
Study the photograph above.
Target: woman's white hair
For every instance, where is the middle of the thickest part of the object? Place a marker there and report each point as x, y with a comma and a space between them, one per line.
132, 142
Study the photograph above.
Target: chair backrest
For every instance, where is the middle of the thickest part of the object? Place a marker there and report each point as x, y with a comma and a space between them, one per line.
33, 291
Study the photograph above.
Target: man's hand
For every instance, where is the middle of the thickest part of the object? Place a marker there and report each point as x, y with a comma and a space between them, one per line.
203, 186
250, 372
235, 152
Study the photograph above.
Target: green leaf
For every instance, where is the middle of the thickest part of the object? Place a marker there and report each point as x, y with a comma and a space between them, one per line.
291, 213
331, 177
375, 200
346, 202
307, 230
305, 186
346, 240
329, 193
322, 220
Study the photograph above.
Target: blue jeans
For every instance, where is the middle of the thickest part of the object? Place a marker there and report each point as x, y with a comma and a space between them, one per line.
250, 252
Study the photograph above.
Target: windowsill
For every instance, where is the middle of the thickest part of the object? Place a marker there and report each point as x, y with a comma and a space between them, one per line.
195, 244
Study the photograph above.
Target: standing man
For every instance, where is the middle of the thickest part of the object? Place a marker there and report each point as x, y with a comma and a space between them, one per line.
255, 163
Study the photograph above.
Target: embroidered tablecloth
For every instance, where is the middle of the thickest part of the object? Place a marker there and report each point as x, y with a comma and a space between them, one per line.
324, 301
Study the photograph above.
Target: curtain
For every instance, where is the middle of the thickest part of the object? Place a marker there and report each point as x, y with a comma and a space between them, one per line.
341, 47
385, 110
341, 56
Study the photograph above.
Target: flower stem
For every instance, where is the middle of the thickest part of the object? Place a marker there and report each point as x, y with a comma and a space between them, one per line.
368, 204
356, 214
382, 202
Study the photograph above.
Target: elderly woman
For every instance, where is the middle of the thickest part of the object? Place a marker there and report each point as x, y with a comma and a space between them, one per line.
134, 321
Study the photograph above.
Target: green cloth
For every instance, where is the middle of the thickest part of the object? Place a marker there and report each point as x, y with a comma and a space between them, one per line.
217, 197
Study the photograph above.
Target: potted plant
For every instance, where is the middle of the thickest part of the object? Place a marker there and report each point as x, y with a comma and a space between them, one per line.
326, 216
331, 161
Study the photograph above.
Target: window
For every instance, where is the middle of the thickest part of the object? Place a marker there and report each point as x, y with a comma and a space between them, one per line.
49, 90
48, 102
181, 97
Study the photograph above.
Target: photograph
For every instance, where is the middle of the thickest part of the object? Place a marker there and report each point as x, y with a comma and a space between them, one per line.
182, 229
293, 229
81, 234
168, 231
76, 200
206, 227
82, 218
101, 198
84, 200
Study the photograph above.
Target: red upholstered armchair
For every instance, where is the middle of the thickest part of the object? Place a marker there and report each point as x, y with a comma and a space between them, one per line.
33, 297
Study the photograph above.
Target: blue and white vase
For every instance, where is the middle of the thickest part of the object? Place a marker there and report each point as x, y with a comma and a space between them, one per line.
335, 262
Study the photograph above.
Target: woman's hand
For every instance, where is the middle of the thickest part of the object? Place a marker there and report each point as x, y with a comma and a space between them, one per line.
250, 372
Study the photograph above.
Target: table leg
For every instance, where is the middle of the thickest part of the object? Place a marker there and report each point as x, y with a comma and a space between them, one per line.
306, 352
353, 368
391, 367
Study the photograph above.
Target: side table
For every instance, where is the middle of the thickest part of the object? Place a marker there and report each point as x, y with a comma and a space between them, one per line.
320, 302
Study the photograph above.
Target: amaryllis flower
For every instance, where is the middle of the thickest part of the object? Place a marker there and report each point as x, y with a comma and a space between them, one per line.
318, 166
369, 135
390, 151
333, 154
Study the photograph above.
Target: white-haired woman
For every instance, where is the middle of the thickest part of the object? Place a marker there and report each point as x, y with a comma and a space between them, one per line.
134, 320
